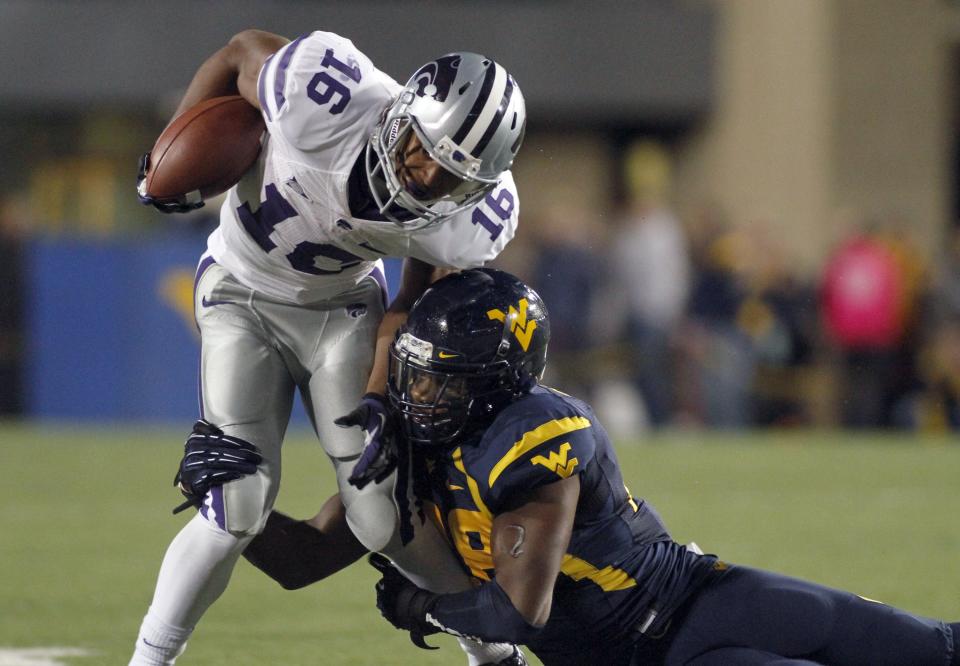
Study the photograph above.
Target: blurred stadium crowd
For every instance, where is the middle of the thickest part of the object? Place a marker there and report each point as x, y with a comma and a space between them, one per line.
706, 322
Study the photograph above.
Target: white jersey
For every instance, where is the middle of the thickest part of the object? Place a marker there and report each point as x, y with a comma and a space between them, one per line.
286, 229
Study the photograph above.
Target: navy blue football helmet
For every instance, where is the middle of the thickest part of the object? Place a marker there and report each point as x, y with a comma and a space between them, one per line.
473, 343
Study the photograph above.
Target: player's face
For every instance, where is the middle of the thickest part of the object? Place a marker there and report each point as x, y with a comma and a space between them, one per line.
426, 388
420, 175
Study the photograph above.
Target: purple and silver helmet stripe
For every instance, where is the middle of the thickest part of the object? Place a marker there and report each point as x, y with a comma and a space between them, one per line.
487, 111
478, 105
497, 119
280, 76
262, 87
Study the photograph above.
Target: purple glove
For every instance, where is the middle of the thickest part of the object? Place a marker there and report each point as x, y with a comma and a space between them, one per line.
379, 457
211, 458
184, 204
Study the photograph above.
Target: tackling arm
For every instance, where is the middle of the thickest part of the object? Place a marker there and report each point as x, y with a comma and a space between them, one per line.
528, 547
296, 553
529, 543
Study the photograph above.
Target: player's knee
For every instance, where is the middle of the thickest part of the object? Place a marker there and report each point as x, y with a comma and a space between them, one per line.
372, 516
240, 507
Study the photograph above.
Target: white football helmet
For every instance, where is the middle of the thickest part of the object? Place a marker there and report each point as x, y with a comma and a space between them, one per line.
469, 115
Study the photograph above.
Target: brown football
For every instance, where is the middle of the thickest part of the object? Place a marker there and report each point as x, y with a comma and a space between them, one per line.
208, 148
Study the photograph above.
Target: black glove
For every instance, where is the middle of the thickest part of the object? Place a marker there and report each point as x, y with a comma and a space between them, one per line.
183, 204
379, 457
211, 458
403, 604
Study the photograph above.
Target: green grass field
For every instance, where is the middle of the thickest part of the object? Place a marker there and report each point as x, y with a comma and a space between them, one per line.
86, 517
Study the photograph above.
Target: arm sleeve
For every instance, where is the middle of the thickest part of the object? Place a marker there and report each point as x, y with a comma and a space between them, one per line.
485, 613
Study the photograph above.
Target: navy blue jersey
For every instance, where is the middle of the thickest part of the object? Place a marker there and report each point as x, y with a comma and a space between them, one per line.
621, 561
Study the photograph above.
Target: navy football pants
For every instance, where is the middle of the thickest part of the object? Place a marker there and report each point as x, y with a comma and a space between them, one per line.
748, 616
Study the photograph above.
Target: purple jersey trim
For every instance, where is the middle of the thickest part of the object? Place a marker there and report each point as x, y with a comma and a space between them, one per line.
280, 78
262, 88
205, 263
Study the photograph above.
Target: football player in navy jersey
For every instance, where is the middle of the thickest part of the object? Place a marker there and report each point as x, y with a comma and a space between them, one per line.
290, 293
526, 485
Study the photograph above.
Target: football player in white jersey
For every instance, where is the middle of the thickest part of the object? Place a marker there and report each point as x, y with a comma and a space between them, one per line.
290, 294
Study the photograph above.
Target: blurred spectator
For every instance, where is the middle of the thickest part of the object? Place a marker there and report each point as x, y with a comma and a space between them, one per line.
566, 273
946, 301
13, 216
779, 315
935, 406
650, 273
720, 356
871, 292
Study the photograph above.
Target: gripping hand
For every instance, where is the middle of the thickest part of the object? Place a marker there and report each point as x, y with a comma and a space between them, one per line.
379, 457
182, 204
211, 458
403, 604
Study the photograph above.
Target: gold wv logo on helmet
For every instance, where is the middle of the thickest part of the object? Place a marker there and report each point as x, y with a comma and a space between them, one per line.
519, 326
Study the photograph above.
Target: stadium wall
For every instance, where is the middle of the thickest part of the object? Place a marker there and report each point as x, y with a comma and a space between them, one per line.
828, 115
110, 329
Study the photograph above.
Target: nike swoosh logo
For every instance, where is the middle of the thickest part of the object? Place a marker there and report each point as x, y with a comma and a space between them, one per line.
151, 644
446, 355
450, 486
379, 427
207, 304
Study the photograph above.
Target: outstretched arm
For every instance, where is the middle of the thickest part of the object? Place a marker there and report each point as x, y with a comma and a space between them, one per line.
296, 553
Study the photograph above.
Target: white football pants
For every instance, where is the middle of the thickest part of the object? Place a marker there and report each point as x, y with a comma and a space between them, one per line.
255, 352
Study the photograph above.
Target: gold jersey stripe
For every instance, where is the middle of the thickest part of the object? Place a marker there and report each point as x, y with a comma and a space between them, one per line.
471, 484
535, 438
608, 578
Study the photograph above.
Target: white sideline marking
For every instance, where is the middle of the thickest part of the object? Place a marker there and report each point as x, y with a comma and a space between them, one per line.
40, 656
